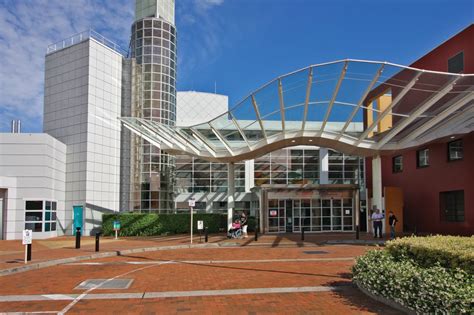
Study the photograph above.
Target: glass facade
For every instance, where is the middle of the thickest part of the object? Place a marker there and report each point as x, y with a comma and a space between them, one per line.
40, 215
153, 45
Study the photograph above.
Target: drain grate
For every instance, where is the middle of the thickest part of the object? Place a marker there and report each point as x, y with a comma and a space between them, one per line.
112, 284
315, 252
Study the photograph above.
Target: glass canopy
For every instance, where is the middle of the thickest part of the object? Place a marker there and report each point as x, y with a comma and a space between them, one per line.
354, 106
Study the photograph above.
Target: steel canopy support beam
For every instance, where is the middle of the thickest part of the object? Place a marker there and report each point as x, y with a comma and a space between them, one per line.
204, 141
417, 112
222, 139
333, 98
361, 101
257, 113
306, 101
439, 118
282, 105
240, 131
389, 108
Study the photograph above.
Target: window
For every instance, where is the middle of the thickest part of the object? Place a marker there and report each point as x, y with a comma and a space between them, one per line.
456, 63
422, 158
397, 164
40, 216
455, 150
452, 205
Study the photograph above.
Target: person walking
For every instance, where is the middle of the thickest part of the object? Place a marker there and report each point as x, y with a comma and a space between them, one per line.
392, 220
244, 223
377, 223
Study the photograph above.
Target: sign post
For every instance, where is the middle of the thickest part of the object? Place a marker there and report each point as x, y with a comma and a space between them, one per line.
27, 240
116, 228
192, 204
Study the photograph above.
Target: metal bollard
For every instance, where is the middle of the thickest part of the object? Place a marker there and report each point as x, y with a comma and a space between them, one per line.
97, 239
256, 233
206, 234
28, 252
357, 232
302, 233
78, 237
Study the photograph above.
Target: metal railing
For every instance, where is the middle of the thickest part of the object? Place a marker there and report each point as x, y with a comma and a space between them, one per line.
82, 36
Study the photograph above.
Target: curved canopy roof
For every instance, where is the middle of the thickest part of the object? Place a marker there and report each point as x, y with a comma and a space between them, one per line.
354, 106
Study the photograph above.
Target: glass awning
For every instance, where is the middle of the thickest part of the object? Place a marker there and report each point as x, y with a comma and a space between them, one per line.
354, 106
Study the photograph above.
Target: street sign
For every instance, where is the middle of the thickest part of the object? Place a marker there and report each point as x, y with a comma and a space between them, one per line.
192, 202
116, 225
200, 225
27, 237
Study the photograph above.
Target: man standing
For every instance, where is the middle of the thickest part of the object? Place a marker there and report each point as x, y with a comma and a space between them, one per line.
377, 218
392, 220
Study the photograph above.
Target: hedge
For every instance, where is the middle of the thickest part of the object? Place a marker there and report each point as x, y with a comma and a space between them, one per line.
149, 224
407, 280
448, 251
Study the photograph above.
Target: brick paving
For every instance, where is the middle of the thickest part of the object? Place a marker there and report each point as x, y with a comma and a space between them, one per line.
192, 270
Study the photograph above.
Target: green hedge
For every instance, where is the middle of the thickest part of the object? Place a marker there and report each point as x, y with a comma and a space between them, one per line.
139, 224
407, 280
448, 251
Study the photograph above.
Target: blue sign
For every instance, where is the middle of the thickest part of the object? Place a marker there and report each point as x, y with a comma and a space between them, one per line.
116, 225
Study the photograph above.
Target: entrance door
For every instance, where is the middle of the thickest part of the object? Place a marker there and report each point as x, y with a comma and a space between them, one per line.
78, 217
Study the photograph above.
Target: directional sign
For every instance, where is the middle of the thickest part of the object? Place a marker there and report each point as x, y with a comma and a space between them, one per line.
27, 237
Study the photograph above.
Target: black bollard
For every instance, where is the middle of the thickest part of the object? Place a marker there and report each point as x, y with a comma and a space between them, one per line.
97, 238
206, 234
78, 237
357, 232
256, 233
28, 252
302, 233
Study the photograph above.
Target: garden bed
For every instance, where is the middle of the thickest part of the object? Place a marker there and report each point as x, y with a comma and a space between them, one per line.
425, 274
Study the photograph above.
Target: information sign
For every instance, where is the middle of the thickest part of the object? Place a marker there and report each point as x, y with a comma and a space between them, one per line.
27, 237
116, 225
192, 202
200, 225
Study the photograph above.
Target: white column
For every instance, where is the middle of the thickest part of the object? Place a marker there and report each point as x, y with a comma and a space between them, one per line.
249, 175
323, 166
230, 193
377, 186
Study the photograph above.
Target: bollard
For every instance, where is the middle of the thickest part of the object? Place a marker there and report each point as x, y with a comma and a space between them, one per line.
256, 233
206, 234
302, 233
28, 252
78, 237
97, 238
357, 232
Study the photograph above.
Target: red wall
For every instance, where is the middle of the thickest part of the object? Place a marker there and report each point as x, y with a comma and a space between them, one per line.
421, 186
437, 59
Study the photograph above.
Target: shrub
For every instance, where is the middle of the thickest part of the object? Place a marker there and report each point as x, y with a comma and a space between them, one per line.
139, 224
434, 289
448, 251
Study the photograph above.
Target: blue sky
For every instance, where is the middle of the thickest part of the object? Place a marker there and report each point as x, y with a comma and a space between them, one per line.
239, 44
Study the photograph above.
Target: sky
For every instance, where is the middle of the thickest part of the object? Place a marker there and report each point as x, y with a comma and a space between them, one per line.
231, 46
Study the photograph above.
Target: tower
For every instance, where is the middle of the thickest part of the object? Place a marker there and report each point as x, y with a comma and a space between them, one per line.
153, 46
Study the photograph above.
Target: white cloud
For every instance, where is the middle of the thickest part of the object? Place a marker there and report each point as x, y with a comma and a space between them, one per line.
27, 27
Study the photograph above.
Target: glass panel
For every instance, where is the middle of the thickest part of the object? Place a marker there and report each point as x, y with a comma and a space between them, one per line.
35, 227
34, 205
47, 227
47, 216
33, 216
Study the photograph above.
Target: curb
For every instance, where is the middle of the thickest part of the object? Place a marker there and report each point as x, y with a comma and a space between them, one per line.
357, 242
385, 301
54, 262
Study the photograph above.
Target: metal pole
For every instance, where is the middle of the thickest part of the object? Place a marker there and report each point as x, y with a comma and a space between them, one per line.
78, 237
28, 256
206, 234
26, 249
357, 213
191, 224
97, 238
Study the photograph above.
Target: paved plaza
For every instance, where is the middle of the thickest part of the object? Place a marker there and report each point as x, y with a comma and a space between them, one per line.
277, 274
